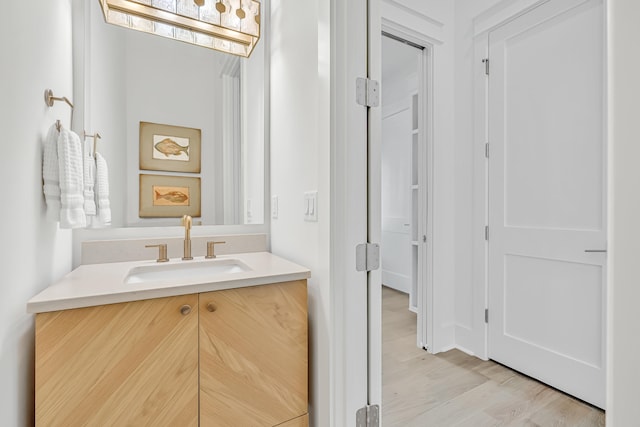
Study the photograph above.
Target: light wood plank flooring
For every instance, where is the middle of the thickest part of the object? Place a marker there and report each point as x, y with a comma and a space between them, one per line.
455, 389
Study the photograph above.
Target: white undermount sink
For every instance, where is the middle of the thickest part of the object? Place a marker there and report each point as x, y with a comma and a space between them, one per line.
185, 271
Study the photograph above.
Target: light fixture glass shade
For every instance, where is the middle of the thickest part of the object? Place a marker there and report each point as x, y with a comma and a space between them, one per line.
231, 26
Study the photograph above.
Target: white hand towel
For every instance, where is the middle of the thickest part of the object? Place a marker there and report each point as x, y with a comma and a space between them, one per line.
102, 192
89, 180
71, 180
51, 174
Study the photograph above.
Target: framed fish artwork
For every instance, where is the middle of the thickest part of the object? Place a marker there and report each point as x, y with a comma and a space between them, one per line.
167, 196
169, 148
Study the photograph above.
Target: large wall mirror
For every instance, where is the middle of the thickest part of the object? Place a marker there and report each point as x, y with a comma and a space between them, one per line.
127, 78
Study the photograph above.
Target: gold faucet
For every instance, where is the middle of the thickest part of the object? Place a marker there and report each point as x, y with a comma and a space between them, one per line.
186, 222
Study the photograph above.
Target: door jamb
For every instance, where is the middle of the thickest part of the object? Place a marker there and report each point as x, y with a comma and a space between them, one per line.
348, 288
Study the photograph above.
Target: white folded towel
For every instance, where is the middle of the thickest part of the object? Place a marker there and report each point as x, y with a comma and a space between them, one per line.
51, 175
102, 193
71, 180
89, 181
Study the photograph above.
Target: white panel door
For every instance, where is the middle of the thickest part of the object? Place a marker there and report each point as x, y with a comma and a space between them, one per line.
547, 200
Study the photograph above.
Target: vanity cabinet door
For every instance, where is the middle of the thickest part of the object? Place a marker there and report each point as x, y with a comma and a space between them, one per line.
128, 364
253, 355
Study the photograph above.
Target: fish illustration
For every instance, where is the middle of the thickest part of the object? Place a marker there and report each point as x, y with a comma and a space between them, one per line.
169, 147
172, 196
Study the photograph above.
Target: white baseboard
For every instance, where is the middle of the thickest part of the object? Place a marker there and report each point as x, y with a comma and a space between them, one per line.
396, 281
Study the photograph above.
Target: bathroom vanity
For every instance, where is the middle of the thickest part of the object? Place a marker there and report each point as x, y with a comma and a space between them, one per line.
208, 342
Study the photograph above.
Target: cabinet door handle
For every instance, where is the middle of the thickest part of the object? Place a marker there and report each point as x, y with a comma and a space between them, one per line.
185, 309
210, 307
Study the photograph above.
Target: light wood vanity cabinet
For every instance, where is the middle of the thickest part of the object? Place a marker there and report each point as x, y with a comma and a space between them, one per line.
235, 357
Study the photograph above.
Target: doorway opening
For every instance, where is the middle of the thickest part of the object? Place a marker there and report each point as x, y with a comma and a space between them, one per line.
405, 173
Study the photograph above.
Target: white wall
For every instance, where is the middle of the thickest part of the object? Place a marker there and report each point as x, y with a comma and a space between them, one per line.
623, 347
300, 162
35, 44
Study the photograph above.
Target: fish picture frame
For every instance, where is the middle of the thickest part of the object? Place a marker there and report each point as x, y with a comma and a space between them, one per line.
167, 196
169, 148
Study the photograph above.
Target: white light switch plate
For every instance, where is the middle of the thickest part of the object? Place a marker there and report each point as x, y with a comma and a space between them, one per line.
311, 206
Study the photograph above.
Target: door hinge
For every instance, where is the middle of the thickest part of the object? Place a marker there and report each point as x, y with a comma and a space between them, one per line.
485, 61
367, 92
486, 150
486, 232
486, 315
367, 257
368, 416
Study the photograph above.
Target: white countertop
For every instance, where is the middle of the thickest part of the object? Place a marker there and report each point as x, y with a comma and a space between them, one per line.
99, 284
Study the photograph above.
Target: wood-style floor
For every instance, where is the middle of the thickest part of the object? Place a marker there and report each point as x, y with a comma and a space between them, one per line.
455, 389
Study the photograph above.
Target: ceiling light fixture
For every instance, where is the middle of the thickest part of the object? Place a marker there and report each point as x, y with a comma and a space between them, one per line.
231, 26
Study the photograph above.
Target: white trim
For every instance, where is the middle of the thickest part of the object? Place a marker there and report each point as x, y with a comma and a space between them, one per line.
623, 349
266, 39
469, 352
230, 66
422, 16
478, 340
391, 279
408, 34
502, 13
374, 205
505, 12
348, 206
451, 347
233, 194
426, 136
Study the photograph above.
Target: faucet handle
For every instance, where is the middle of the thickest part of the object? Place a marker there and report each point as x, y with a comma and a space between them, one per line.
211, 249
162, 251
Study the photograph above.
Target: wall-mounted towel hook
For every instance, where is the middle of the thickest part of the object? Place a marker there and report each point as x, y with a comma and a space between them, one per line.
49, 99
95, 137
